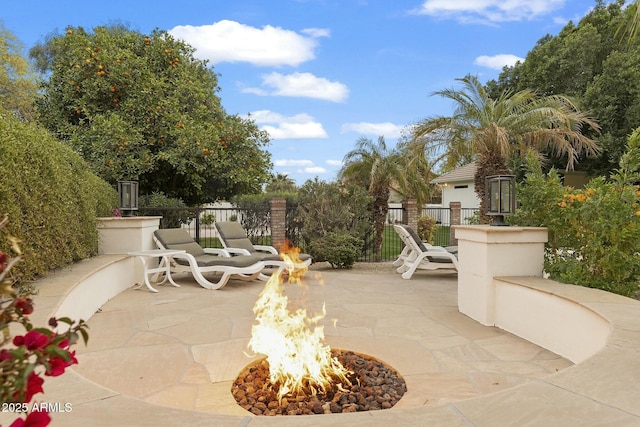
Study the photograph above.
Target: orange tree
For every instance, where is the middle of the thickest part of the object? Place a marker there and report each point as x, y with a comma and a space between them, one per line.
594, 232
142, 107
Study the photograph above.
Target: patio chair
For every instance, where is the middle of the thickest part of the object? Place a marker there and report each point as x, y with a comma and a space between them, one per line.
234, 239
198, 261
421, 255
406, 250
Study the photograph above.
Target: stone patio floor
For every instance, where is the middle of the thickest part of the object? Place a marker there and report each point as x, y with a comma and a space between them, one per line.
158, 358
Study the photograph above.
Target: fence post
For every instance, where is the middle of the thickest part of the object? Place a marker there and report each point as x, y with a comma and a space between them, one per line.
455, 219
410, 213
278, 207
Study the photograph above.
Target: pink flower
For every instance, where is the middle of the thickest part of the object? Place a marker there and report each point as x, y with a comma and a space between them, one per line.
34, 419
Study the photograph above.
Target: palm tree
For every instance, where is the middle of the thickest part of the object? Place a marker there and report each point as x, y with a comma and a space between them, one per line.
377, 167
494, 130
629, 27
280, 183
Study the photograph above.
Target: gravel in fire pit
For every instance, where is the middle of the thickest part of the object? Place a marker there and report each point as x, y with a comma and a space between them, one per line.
374, 386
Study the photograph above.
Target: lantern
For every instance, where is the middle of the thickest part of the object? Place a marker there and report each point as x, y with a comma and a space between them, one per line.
500, 197
127, 197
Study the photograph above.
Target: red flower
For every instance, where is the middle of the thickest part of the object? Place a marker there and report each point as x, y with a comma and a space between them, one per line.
25, 305
34, 386
3, 261
34, 419
5, 355
57, 365
33, 340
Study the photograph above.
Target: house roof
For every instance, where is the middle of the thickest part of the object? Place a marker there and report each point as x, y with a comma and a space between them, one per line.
463, 173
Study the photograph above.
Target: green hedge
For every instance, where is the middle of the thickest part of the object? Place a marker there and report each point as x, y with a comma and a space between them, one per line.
51, 197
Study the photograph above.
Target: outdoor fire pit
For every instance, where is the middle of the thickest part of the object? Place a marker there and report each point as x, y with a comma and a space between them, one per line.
300, 374
373, 385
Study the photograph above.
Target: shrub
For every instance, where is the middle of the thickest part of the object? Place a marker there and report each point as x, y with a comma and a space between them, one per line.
594, 233
208, 219
333, 207
340, 249
51, 197
173, 211
426, 228
333, 212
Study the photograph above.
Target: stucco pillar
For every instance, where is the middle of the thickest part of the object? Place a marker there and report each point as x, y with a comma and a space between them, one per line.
485, 252
278, 221
120, 235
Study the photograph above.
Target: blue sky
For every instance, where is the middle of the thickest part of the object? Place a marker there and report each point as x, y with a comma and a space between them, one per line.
320, 74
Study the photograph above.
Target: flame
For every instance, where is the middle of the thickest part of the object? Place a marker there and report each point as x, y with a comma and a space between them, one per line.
293, 342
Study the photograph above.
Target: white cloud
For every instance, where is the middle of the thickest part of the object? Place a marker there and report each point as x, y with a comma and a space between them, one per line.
334, 162
230, 41
386, 129
488, 11
299, 126
301, 84
313, 170
285, 162
317, 32
497, 62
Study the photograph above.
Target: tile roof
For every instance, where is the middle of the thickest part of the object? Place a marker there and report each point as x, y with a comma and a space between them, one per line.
463, 173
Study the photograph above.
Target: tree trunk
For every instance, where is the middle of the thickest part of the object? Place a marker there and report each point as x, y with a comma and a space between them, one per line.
380, 210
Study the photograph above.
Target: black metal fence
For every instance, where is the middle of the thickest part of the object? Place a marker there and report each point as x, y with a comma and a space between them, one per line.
200, 224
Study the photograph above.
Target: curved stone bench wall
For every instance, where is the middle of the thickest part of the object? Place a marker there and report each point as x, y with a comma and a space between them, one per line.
535, 309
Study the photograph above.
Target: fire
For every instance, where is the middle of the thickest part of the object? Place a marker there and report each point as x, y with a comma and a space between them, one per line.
293, 342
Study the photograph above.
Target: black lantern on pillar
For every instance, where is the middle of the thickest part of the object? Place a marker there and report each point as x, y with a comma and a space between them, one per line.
127, 197
500, 197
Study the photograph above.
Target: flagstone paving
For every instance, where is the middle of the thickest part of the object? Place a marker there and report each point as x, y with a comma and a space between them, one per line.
169, 358
183, 347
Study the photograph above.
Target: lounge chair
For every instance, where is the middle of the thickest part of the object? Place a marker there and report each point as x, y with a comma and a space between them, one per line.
198, 261
407, 249
234, 239
421, 255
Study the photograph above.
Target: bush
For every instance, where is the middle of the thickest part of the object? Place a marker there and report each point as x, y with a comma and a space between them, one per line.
340, 249
333, 214
50, 196
208, 219
333, 207
173, 211
426, 228
594, 233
